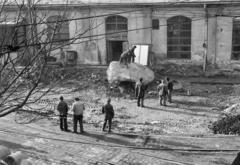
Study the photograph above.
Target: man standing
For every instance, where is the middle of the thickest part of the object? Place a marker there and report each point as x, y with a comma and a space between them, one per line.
162, 90
62, 108
140, 92
78, 109
124, 57
109, 114
170, 89
131, 54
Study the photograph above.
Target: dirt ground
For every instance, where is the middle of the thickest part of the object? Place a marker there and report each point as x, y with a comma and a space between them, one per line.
187, 115
183, 125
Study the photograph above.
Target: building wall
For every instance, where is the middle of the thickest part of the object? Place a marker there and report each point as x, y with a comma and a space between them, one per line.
197, 35
92, 49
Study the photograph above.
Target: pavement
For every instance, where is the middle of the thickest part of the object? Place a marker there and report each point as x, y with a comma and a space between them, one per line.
45, 144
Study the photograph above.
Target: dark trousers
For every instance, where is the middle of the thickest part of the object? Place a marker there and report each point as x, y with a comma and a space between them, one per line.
140, 101
109, 120
63, 122
169, 96
163, 99
76, 119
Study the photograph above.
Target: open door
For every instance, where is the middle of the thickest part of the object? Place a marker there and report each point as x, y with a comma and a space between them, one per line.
109, 52
141, 53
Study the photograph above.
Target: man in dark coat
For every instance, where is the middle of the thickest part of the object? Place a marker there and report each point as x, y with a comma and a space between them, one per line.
169, 89
140, 92
109, 114
131, 54
124, 57
62, 108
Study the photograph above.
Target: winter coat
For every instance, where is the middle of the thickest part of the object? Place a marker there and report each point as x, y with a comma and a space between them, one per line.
140, 90
162, 89
108, 110
62, 108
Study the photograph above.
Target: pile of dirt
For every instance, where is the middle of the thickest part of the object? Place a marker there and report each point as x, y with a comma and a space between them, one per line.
227, 125
179, 69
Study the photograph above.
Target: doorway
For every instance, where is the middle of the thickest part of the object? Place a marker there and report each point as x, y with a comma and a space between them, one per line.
114, 50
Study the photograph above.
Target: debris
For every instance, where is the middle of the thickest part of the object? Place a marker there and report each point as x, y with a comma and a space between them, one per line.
233, 109
227, 125
132, 73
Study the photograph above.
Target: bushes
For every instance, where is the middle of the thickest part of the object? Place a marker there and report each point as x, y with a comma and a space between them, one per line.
227, 125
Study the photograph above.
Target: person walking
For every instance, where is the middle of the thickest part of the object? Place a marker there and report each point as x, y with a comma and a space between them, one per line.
170, 89
78, 109
140, 92
162, 90
109, 114
62, 108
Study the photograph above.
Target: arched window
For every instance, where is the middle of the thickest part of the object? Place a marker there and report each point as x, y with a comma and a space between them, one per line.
116, 24
57, 28
236, 39
179, 37
12, 33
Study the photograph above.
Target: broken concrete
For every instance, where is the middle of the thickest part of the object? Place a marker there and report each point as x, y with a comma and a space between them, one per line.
117, 72
233, 109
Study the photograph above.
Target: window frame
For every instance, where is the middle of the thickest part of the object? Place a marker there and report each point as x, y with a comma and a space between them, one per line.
15, 37
179, 37
155, 24
235, 39
63, 30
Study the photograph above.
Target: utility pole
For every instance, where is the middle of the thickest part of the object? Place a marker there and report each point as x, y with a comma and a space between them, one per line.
205, 44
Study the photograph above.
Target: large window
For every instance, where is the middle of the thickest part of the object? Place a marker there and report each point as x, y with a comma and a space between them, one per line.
58, 29
12, 34
236, 39
115, 24
179, 37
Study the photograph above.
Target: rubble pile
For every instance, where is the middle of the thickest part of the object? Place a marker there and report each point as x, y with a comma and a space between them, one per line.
229, 122
227, 125
179, 69
132, 72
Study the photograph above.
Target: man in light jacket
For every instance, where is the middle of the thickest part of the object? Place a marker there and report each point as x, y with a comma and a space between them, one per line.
78, 109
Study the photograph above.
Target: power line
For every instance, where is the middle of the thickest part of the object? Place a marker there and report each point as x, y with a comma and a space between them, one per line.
97, 35
96, 16
79, 18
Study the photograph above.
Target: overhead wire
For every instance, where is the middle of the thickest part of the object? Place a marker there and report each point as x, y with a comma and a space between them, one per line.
97, 35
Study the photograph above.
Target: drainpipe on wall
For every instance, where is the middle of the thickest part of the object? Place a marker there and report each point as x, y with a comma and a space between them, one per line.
205, 44
151, 24
216, 33
151, 44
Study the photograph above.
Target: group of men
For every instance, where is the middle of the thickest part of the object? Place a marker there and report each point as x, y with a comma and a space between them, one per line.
165, 89
128, 56
78, 111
